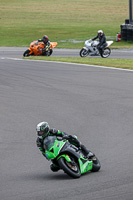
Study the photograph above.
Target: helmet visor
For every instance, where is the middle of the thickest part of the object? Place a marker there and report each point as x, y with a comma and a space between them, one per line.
100, 33
40, 133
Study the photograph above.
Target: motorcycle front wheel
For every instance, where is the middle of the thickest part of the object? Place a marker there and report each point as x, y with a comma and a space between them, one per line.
84, 52
106, 52
71, 169
26, 53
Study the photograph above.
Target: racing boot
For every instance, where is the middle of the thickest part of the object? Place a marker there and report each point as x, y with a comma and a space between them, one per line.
88, 154
54, 167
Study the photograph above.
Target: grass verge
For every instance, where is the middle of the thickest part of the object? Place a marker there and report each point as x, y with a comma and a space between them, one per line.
64, 21
117, 63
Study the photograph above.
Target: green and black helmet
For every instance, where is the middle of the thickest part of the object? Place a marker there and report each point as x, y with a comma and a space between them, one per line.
42, 129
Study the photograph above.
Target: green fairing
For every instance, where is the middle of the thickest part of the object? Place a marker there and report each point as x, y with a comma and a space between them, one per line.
85, 165
54, 150
53, 147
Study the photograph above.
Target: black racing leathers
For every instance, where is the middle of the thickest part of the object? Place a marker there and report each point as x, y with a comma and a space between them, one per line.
52, 132
102, 42
46, 48
102, 39
47, 44
72, 139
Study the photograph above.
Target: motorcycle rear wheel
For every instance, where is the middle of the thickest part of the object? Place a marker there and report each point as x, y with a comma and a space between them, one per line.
84, 52
51, 51
26, 53
96, 164
47, 53
106, 52
71, 169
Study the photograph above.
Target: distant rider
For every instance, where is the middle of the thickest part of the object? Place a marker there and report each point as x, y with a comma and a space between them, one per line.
102, 40
46, 42
43, 131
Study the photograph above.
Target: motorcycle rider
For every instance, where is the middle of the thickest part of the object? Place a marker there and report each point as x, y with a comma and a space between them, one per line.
43, 131
102, 40
46, 42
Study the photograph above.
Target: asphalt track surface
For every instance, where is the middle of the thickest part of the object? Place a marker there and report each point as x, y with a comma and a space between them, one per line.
94, 103
18, 52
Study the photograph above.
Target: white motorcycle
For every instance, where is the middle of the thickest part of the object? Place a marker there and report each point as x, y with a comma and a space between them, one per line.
92, 50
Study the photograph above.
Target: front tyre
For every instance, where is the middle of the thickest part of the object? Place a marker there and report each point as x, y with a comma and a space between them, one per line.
71, 169
96, 164
84, 52
106, 52
26, 53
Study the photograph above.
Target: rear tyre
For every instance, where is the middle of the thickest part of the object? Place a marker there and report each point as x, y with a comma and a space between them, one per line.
106, 52
84, 52
96, 164
48, 53
26, 53
71, 169
51, 51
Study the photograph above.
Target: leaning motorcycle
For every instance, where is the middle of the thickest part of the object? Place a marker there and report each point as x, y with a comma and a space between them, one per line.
92, 50
36, 49
68, 157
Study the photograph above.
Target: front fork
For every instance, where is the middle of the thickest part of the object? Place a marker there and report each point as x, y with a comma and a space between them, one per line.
66, 157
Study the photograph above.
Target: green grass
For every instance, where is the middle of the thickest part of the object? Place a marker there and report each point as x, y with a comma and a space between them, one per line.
23, 21
64, 21
118, 63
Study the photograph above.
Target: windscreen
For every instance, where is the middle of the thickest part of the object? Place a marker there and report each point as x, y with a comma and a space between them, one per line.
49, 142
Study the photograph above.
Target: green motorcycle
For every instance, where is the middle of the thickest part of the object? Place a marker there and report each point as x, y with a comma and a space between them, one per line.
68, 157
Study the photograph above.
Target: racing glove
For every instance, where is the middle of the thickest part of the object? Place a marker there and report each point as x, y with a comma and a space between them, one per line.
39, 143
40, 40
72, 139
65, 137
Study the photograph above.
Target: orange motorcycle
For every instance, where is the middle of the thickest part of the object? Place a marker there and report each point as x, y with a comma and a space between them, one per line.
36, 48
